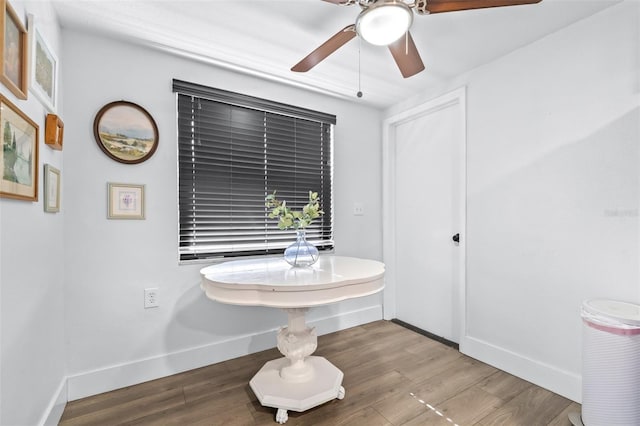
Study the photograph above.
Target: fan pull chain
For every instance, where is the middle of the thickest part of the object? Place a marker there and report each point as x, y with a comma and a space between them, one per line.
359, 94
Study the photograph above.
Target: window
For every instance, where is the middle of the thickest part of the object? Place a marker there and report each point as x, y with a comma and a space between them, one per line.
234, 150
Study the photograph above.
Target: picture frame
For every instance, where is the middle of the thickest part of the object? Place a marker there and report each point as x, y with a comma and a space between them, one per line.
125, 201
14, 49
43, 69
19, 154
125, 132
51, 189
53, 131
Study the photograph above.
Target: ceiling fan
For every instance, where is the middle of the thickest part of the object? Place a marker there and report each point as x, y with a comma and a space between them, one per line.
387, 23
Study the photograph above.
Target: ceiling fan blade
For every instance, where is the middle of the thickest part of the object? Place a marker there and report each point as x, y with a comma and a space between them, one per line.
439, 6
406, 55
337, 1
326, 49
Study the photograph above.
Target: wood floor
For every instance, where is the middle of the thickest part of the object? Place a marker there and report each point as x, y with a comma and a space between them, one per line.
392, 376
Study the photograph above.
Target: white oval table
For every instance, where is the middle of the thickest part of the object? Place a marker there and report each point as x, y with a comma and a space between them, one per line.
298, 381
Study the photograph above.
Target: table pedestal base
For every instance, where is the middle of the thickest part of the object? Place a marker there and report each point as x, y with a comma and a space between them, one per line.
273, 391
298, 381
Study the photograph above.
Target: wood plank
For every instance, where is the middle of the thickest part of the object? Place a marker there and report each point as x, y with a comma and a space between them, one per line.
213, 388
401, 406
504, 385
365, 417
449, 382
223, 408
129, 411
465, 408
372, 365
533, 407
562, 419
430, 363
422, 346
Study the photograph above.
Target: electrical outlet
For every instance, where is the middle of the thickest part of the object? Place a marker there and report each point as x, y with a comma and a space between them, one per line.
358, 209
151, 298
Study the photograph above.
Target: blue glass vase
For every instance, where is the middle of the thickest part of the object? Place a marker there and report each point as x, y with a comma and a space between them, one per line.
301, 252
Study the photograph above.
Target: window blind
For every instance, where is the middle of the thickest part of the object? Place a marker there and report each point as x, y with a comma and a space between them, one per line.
235, 150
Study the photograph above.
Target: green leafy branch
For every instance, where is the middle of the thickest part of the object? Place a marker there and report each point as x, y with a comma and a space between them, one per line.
288, 218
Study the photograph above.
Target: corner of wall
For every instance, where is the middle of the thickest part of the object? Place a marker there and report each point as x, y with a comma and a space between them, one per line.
53, 413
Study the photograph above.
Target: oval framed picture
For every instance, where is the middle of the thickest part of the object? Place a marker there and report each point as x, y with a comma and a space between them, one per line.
126, 132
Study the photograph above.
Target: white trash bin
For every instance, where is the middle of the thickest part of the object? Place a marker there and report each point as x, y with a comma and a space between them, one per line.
610, 363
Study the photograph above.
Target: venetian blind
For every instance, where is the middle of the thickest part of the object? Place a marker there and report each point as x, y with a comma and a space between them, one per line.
234, 150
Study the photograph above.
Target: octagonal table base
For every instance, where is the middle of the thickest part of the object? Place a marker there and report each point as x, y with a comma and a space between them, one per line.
273, 391
299, 381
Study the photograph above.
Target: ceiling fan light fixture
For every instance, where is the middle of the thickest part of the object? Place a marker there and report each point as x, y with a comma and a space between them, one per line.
384, 22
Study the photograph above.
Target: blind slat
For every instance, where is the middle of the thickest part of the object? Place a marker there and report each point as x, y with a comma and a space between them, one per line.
232, 98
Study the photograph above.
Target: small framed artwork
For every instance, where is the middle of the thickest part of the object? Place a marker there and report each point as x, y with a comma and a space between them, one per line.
53, 131
14, 47
125, 132
51, 189
125, 201
43, 67
19, 155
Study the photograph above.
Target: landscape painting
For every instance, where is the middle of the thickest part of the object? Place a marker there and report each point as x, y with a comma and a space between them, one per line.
19, 153
126, 132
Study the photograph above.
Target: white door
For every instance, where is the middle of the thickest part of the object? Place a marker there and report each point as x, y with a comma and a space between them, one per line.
427, 186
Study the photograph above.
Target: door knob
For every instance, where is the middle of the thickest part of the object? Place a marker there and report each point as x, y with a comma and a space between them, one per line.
456, 238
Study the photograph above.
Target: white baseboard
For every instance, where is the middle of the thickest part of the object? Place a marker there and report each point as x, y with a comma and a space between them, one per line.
122, 375
544, 375
53, 413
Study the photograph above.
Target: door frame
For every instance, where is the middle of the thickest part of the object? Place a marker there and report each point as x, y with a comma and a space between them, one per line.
454, 99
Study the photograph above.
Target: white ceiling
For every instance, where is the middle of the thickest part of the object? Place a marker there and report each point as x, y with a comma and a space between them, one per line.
267, 37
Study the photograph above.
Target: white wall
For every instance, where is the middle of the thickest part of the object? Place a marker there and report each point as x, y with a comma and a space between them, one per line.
112, 340
553, 193
32, 359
